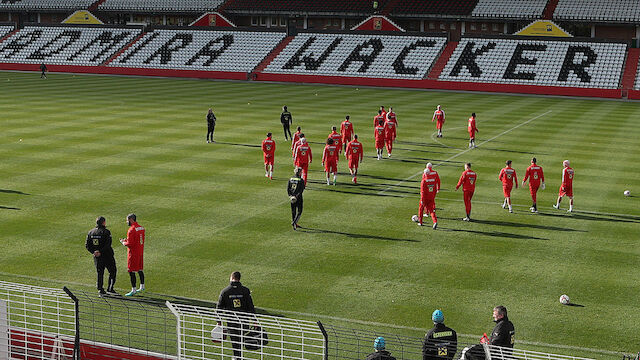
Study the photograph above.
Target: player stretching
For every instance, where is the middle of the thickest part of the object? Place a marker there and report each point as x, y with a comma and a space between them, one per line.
536, 176
429, 187
389, 135
330, 160
438, 116
379, 134
269, 151
566, 189
468, 181
472, 131
303, 157
355, 155
346, 129
508, 177
337, 138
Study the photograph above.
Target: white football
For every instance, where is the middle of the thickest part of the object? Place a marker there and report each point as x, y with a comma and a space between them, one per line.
564, 299
414, 218
626, 192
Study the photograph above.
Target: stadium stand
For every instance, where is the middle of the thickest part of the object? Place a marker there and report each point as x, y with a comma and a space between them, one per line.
412, 8
232, 51
39, 5
302, 6
160, 6
67, 45
598, 10
376, 56
513, 9
4, 30
637, 85
537, 62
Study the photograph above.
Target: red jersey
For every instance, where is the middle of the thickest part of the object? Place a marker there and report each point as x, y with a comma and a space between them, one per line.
467, 180
390, 130
430, 184
346, 129
534, 174
438, 115
330, 153
294, 140
472, 125
379, 133
384, 115
391, 116
376, 119
337, 138
268, 147
135, 246
567, 178
354, 151
508, 176
303, 154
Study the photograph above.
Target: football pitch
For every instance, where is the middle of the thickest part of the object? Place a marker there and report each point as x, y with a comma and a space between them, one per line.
74, 147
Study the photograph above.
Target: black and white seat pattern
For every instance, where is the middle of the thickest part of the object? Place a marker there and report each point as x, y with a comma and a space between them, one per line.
534, 62
598, 10
375, 56
4, 30
87, 46
36, 5
529, 9
160, 5
237, 51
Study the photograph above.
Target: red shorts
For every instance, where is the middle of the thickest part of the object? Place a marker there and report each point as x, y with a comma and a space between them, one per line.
565, 191
472, 134
379, 144
429, 204
506, 190
346, 139
268, 160
439, 124
134, 262
353, 164
331, 166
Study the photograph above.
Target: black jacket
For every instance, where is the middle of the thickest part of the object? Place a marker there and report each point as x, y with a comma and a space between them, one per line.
99, 238
211, 119
440, 343
236, 297
503, 334
285, 117
295, 187
380, 355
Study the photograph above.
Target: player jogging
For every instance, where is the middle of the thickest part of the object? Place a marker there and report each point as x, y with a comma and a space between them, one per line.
346, 129
438, 117
330, 160
337, 138
566, 188
468, 182
508, 177
472, 131
355, 155
269, 151
429, 187
303, 157
135, 250
536, 177
380, 138
389, 135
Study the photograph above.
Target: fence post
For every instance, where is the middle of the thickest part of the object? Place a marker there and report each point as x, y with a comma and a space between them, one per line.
326, 340
76, 341
175, 312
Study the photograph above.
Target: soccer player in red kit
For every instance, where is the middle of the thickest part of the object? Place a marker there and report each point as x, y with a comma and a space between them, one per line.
355, 155
536, 177
346, 129
389, 135
468, 182
566, 189
295, 146
438, 117
508, 177
380, 138
135, 250
294, 139
383, 112
330, 159
337, 138
429, 187
377, 118
269, 152
303, 157
472, 131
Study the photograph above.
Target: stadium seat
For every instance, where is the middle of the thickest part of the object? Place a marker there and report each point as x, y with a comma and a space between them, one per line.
516, 9
433, 7
537, 62
4, 30
170, 6
377, 56
40, 5
304, 6
598, 10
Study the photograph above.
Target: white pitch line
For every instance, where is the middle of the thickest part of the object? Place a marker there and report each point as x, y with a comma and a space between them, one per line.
464, 151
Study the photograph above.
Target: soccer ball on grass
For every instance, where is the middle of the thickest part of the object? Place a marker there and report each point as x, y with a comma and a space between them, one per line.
414, 218
564, 299
627, 193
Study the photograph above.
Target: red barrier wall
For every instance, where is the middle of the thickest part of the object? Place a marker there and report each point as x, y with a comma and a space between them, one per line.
338, 80
97, 352
634, 94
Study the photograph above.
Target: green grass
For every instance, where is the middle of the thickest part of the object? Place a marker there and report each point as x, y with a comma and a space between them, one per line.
109, 146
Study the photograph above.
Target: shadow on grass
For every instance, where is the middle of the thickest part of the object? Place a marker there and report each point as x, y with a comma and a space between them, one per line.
512, 151
494, 233
596, 217
238, 144
351, 235
8, 208
521, 225
7, 191
576, 305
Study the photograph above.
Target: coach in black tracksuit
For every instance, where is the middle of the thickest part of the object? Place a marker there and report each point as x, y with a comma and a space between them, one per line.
236, 297
295, 187
99, 245
286, 120
211, 125
504, 332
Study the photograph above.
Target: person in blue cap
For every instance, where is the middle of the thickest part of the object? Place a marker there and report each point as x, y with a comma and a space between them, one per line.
441, 342
381, 353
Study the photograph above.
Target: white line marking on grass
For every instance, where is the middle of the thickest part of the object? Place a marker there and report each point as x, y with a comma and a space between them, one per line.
438, 141
464, 151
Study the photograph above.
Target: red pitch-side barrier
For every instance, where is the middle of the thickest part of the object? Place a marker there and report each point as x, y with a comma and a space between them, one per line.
336, 80
634, 94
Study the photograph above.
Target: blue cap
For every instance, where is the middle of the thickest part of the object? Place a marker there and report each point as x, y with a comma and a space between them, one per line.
437, 316
378, 344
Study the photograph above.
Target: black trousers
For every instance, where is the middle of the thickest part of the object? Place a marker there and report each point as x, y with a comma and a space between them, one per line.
296, 210
235, 334
210, 130
285, 127
110, 265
